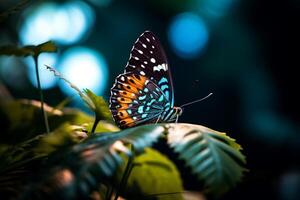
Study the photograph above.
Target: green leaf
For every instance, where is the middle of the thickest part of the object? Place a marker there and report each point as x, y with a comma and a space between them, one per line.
90, 162
213, 156
22, 120
61, 138
100, 107
153, 176
30, 50
139, 137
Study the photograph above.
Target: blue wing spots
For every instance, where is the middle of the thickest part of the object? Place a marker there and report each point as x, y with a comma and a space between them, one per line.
129, 112
167, 93
167, 106
146, 90
144, 115
161, 98
149, 103
140, 109
142, 97
148, 108
163, 80
164, 87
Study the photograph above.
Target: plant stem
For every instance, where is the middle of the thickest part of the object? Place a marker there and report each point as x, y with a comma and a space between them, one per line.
35, 58
95, 125
125, 177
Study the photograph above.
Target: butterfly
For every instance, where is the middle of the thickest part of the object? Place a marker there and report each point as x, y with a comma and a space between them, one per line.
144, 92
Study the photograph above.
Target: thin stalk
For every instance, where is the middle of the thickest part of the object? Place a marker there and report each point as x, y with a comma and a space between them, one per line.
95, 125
125, 177
109, 193
35, 58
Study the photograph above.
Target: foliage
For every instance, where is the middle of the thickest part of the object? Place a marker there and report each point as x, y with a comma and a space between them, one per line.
153, 176
91, 161
95, 103
84, 156
100, 106
29, 50
213, 156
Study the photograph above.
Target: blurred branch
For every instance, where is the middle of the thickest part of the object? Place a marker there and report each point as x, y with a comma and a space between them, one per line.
15, 9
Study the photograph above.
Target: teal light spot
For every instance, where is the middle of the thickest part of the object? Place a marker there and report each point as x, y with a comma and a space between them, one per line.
142, 97
146, 90
144, 115
163, 80
129, 112
140, 110
161, 98
148, 108
157, 89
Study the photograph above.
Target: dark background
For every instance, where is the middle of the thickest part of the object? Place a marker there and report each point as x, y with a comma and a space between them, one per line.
250, 63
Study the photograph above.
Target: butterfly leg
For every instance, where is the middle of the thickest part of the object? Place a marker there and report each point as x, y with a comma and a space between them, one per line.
177, 117
158, 119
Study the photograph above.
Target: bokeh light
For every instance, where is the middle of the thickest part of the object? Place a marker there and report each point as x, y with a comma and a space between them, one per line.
188, 35
101, 2
12, 72
85, 68
46, 77
65, 24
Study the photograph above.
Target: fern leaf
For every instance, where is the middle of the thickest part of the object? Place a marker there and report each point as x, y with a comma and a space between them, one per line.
213, 156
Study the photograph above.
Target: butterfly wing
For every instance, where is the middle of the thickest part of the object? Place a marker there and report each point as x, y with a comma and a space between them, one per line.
148, 58
144, 92
136, 100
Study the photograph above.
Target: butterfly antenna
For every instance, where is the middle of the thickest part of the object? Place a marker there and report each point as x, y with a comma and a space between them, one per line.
197, 100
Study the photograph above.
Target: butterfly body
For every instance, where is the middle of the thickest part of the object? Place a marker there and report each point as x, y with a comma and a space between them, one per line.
144, 92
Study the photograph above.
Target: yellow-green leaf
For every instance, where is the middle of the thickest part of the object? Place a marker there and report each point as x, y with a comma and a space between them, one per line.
154, 176
100, 108
29, 50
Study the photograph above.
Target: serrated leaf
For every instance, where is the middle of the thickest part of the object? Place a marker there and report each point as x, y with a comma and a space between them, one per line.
29, 50
100, 107
92, 162
139, 137
213, 156
153, 176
